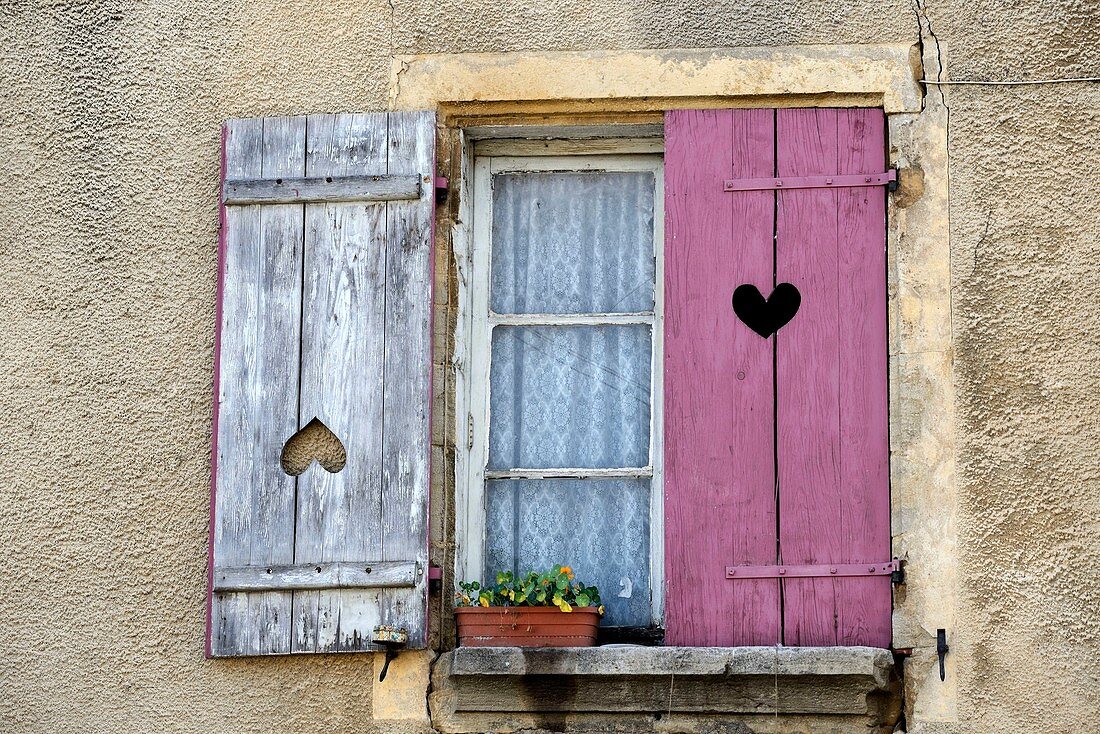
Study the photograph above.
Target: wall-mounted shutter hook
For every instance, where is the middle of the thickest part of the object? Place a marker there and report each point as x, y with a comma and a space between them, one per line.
392, 639
941, 650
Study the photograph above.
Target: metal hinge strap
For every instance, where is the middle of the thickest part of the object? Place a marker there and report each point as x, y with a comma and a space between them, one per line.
813, 571
887, 178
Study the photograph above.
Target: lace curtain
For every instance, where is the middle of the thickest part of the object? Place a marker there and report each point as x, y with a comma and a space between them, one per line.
599, 526
573, 396
572, 243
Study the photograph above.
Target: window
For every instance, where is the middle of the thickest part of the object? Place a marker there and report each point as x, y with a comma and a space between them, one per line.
632, 416
565, 374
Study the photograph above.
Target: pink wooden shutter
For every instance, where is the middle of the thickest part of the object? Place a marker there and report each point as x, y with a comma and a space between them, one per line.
806, 407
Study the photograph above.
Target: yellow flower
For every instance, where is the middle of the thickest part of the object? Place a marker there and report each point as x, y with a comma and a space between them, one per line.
600, 609
484, 601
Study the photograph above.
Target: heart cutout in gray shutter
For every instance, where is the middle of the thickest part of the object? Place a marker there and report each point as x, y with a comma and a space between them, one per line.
313, 442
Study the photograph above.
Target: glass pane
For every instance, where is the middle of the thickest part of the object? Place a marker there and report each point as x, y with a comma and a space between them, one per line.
569, 396
600, 527
572, 242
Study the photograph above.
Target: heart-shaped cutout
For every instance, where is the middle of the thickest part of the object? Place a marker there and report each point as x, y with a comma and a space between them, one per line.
313, 442
768, 315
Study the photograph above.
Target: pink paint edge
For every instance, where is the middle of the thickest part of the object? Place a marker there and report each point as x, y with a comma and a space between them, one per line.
214, 410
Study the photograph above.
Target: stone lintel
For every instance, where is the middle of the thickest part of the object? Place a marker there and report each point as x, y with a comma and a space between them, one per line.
835, 76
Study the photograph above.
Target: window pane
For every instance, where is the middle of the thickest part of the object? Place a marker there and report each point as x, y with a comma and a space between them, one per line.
600, 527
569, 396
572, 242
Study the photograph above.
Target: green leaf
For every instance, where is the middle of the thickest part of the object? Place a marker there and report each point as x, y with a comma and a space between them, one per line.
583, 600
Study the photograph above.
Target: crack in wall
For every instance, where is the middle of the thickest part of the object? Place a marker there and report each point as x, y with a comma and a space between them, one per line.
921, 9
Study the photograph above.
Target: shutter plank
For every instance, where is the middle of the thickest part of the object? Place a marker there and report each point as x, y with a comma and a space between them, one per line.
408, 371
258, 390
719, 462
315, 576
834, 500
273, 507
863, 604
243, 146
808, 369
321, 189
339, 515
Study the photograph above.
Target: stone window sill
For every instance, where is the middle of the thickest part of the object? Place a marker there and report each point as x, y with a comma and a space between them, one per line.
686, 688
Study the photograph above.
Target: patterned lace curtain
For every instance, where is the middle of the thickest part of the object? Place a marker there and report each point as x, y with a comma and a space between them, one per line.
573, 396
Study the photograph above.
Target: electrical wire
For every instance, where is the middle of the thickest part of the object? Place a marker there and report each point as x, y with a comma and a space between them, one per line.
1016, 83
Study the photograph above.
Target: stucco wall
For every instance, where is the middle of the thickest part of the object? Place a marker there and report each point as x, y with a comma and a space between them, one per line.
110, 119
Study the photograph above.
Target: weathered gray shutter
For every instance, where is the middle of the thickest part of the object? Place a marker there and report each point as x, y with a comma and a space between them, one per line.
324, 315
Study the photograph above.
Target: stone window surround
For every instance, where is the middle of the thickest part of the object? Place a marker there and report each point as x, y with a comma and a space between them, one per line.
537, 95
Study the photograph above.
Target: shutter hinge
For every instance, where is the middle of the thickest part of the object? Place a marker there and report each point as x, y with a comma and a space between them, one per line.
442, 187
813, 571
892, 184
888, 178
469, 431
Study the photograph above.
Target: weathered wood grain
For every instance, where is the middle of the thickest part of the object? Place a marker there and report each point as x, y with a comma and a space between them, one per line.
831, 361
310, 295
315, 576
258, 389
407, 399
320, 189
719, 479
340, 515
273, 507
243, 146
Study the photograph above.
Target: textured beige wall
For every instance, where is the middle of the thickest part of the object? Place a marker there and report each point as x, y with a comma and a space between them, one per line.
110, 115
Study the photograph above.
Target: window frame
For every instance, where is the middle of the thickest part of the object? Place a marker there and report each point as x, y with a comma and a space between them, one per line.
476, 321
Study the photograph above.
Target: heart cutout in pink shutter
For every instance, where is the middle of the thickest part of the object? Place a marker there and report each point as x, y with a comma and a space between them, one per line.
768, 315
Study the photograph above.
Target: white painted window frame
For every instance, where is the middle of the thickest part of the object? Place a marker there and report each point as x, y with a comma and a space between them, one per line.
475, 321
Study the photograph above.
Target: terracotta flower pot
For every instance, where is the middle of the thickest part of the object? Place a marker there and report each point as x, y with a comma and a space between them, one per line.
526, 626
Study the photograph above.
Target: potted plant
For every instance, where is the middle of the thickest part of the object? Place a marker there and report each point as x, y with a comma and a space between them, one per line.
548, 609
